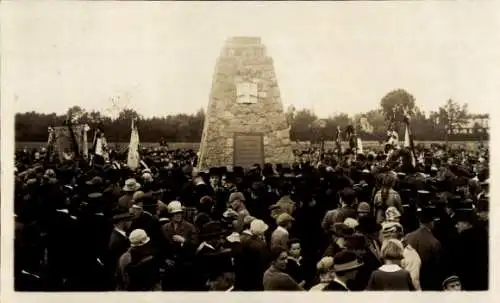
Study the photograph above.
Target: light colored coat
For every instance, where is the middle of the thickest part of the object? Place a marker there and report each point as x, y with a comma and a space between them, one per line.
412, 263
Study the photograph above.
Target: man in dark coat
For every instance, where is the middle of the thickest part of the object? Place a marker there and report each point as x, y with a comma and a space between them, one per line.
118, 243
471, 253
212, 259
144, 211
430, 251
255, 259
93, 234
61, 246
347, 209
346, 265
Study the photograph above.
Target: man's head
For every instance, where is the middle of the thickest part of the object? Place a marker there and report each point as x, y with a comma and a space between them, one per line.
363, 209
464, 220
294, 249
279, 257
123, 221
347, 197
236, 200
175, 210
346, 265
136, 210
452, 283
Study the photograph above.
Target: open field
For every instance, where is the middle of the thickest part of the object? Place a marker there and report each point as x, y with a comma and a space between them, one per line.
195, 145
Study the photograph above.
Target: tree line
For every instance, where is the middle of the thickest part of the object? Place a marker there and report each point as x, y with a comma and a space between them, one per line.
447, 123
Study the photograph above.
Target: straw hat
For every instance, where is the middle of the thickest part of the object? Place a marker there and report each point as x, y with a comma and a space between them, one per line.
138, 237
258, 227
346, 261
175, 207
131, 185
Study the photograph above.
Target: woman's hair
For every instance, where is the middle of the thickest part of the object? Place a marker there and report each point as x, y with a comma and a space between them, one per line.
392, 249
276, 252
325, 265
388, 182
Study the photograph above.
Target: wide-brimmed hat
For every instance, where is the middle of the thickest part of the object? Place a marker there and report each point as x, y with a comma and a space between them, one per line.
346, 261
342, 230
122, 217
138, 237
175, 207
131, 185
95, 181
283, 218
211, 229
258, 227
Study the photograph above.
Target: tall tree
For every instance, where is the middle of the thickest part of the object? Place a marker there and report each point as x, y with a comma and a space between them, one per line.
395, 103
301, 128
452, 116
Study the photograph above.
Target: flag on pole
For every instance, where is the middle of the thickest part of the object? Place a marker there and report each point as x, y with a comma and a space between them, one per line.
360, 146
86, 128
409, 140
407, 137
133, 148
338, 141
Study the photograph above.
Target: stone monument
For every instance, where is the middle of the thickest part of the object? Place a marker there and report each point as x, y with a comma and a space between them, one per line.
245, 123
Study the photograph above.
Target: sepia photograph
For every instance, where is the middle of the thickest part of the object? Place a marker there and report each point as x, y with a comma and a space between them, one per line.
247, 147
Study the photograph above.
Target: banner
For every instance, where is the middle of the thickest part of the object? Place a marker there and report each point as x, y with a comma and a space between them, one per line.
63, 141
133, 148
407, 137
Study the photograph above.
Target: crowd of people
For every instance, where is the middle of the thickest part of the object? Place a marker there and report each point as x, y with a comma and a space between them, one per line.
350, 222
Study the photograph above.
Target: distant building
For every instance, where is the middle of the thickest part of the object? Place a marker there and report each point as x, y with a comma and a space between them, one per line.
472, 125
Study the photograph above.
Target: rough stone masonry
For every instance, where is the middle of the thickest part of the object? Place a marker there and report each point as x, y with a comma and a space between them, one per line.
245, 122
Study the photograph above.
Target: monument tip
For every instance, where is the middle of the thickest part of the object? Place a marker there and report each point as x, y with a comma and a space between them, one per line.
244, 40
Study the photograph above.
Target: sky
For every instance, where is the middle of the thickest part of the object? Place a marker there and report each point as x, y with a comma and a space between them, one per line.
158, 58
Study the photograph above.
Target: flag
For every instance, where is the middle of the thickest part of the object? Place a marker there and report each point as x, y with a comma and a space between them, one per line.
338, 140
101, 146
86, 128
409, 143
407, 137
133, 148
365, 125
360, 146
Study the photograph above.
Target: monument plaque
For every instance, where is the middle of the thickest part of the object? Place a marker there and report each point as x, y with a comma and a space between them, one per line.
244, 122
248, 149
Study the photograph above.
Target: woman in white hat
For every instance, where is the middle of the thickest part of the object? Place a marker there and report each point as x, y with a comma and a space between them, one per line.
126, 201
138, 268
178, 231
255, 258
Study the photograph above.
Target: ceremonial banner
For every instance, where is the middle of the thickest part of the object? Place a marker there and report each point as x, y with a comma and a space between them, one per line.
360, 145
63, 141
407, 137
133, 148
